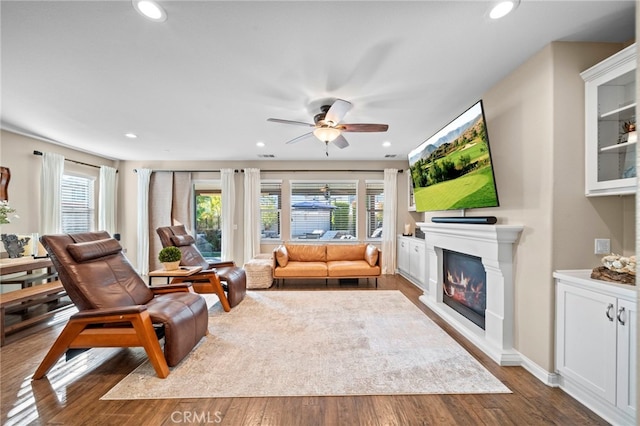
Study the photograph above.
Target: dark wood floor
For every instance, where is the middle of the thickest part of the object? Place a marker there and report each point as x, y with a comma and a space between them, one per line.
72, 396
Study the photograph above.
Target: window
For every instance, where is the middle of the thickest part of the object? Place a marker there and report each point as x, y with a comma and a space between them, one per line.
375, 208
270, 208
209, 222
323, 210
77, 204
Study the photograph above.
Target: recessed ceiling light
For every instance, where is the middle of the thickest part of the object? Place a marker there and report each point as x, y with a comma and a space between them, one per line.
386, 144
260, 144
150, 10
503, 8
131, 135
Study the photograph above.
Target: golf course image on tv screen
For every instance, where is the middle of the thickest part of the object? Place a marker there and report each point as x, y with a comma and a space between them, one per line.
453, 169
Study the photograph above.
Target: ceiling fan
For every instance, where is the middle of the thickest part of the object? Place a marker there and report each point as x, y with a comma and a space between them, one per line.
328, 125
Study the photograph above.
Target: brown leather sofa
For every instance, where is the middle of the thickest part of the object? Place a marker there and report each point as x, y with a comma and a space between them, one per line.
234, 277
327, 261
116, 308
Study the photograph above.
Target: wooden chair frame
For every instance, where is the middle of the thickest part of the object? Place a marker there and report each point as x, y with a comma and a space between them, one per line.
129, 326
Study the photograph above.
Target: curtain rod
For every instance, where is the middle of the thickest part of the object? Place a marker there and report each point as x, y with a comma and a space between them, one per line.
73, 161
275, 171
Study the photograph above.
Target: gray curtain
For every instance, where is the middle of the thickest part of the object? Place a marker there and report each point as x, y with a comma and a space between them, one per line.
170, 203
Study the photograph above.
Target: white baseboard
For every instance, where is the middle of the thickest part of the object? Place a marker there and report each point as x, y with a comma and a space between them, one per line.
549, 379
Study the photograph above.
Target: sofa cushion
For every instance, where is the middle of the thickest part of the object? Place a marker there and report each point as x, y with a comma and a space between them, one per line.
302, 269
307, 252
345, 252
282, 256
371, 255
351, 268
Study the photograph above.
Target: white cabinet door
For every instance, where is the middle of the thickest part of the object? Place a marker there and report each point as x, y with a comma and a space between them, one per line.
403, 255
627, 356
417, 261
586, 339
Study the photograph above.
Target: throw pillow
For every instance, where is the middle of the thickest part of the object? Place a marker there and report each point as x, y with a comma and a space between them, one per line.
371, 255
282, 256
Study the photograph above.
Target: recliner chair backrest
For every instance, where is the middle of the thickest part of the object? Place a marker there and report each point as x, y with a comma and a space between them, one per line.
94, 271
179, 237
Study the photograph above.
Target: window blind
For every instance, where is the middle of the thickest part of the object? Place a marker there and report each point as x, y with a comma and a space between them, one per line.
323, 210
270, 209
77, 203
375, 208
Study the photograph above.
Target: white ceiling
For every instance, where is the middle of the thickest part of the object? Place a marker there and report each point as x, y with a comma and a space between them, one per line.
201, 85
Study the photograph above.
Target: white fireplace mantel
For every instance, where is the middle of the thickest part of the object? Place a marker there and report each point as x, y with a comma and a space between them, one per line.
494, 244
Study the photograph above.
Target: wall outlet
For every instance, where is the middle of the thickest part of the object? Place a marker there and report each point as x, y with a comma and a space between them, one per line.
602, 246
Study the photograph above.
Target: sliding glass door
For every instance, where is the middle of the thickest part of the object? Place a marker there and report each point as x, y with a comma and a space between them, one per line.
209, 222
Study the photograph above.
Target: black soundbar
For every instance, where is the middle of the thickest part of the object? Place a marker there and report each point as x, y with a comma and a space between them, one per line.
481, 220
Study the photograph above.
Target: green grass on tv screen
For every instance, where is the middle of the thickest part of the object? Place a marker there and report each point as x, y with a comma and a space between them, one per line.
473, 189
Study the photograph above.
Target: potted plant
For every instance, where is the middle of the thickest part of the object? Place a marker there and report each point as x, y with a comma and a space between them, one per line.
170, 258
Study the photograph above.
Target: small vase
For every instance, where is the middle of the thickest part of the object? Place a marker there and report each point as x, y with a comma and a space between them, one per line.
171, 266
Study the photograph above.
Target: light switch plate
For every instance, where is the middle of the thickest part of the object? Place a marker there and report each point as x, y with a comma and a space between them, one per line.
602, 246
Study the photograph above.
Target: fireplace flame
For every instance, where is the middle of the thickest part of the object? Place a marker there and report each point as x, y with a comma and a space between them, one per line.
466, 290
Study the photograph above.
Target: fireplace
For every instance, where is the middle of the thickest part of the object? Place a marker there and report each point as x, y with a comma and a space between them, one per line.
464, 285
490, 249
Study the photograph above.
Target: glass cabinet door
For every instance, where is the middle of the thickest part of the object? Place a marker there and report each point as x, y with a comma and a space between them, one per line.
610, 119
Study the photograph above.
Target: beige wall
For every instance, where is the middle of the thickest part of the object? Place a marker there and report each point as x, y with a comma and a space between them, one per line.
535, 120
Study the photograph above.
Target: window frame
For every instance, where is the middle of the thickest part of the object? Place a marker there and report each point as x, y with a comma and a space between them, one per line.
90, 209
316, 234
379, 184
203, 188
277, 210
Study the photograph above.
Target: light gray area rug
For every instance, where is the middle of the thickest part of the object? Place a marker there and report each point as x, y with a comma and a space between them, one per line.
327, 343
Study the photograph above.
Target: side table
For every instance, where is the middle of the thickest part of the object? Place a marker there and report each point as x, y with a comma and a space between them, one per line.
192, 273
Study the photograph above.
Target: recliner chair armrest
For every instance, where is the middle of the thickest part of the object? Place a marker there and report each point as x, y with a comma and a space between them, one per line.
222, 264
104, 312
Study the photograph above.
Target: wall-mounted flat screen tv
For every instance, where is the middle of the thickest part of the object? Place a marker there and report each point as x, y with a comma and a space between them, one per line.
453, 169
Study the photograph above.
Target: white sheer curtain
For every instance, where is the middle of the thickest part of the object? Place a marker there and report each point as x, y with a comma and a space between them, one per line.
251, 213
142, 252
107, 200
390, 218
50, 193
228, 202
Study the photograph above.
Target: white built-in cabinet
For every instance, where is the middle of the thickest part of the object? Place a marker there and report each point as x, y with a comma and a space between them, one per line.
610, 109
412, 259
596, 344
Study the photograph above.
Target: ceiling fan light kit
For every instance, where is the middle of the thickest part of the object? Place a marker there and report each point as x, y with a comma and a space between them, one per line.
328, 127
326, 134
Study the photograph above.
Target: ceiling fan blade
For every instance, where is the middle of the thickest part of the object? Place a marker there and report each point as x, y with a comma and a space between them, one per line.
337, 112
297, 123
364, 127
299, 138
341, 142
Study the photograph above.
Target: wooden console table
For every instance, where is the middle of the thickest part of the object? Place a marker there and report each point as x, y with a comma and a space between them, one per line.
26, 264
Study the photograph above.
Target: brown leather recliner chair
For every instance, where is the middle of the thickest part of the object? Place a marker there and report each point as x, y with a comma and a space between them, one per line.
234, 277
116, 308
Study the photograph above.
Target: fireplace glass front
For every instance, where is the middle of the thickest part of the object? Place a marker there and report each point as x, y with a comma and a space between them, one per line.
464, 287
